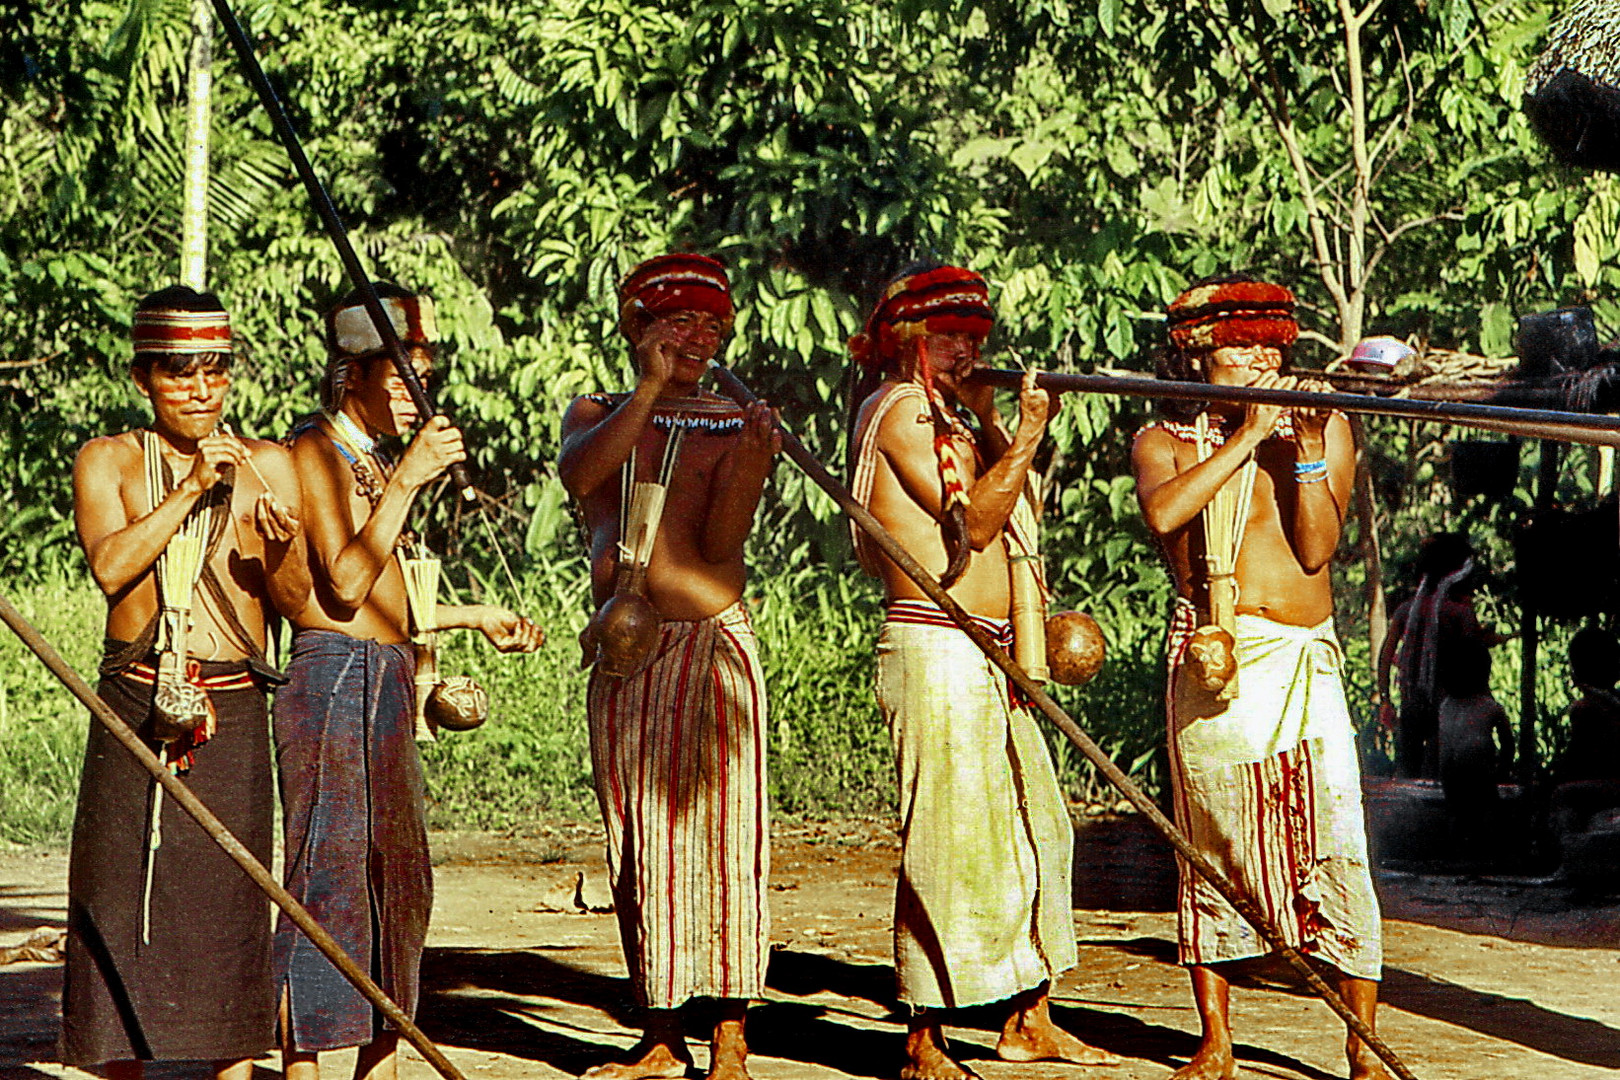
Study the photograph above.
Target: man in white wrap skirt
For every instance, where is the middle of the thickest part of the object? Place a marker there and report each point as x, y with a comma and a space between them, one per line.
982, 908
1248, 506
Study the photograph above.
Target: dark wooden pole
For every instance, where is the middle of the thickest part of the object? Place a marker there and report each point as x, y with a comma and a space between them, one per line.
326, 210
216, 830
735, 389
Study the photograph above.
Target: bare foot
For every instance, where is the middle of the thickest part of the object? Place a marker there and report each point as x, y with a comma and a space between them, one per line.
1210, 1063
729, 1067
728, 1051
926, 1058
1032, 1036
1366, 1065
649, 1061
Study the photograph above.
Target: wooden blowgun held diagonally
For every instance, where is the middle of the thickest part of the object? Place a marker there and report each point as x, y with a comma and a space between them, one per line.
216, 831
739, 392
326, 210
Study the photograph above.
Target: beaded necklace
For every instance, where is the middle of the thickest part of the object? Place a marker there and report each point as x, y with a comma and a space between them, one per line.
356, 446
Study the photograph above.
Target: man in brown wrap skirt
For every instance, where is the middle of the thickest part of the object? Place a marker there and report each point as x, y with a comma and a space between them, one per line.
1263, 761
677, 737
351, 779
169, 948
982, 907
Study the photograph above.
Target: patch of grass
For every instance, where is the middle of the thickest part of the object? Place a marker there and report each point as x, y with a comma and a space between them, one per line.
42, 727
830, 755
531, 761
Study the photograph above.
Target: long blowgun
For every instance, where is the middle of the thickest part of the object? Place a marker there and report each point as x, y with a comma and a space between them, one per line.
327, 211
1532, 423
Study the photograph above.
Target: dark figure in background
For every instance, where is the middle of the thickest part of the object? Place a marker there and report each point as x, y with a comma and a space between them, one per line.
1588, 771
1469, 762
1426, 633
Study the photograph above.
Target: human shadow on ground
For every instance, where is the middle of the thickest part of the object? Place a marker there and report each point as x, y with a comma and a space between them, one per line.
803, 974
30, 1013
1514, 1020
468, 1000
16, 913
1510, 1019
1121, 863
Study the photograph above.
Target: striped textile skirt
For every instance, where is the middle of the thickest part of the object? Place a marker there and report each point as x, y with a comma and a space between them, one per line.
1267, 787
983, 907
678, 752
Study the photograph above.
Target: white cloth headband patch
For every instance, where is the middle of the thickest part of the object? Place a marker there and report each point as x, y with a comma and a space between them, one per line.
412, 318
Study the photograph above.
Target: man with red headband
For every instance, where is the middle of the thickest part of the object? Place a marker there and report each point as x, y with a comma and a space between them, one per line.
194, 537
668, 478
982, 908
1248, 504
352, 792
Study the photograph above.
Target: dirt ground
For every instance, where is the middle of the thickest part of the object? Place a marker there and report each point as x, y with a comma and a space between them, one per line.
1484, 977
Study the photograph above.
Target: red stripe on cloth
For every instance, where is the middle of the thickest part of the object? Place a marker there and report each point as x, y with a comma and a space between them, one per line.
722, 746
751, 682
146, 675
676, 749
923, 613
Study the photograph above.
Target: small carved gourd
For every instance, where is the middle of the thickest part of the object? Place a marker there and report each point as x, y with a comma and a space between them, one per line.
458, 704
1212, 657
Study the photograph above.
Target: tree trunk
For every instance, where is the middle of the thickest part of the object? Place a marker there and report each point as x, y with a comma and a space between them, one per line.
199, 92
1529, 628
1371, 549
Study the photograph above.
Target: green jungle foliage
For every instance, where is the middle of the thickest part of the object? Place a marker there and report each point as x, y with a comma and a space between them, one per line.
514, 159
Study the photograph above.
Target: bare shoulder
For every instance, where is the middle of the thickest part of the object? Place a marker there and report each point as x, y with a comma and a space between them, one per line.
310, 446
902, 426
106, 457
1153, 443
317, 466
585, 411
264, 452
272, 460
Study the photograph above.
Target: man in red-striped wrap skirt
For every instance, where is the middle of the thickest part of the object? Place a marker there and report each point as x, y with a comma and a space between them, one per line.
982, 907
1248, 506
668, 478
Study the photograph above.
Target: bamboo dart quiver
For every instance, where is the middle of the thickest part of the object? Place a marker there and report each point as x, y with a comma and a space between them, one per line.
453, 704
180, 708
624, 631
1030, 645
1212, 650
